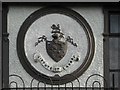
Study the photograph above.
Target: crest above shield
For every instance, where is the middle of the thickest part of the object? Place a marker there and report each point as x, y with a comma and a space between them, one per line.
56, 48
62, 48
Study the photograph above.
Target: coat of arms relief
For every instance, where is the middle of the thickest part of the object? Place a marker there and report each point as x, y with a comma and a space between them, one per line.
56, 49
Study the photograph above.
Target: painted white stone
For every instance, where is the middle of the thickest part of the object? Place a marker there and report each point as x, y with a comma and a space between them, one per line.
93, 16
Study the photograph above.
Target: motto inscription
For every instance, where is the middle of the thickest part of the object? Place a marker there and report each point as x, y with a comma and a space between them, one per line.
62, 45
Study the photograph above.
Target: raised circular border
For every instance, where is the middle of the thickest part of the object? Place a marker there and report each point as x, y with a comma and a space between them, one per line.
55, 80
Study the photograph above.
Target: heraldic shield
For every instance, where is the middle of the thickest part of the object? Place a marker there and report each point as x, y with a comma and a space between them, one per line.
56, 49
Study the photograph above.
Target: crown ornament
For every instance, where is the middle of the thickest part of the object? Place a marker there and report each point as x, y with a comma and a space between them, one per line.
56, 28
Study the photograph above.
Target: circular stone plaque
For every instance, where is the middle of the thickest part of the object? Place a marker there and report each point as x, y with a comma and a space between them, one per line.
55, 45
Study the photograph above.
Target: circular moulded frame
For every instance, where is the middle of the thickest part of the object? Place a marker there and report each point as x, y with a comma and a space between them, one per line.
55, 80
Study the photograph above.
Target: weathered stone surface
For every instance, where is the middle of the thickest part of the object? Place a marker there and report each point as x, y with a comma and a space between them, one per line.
94, 17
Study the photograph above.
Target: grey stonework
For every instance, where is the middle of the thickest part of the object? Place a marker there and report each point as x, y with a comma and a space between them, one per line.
94, 17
